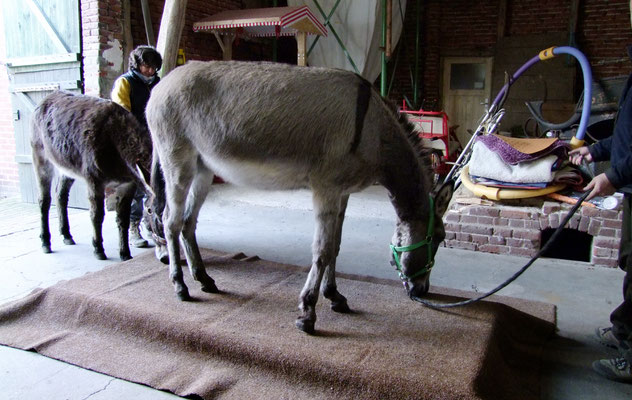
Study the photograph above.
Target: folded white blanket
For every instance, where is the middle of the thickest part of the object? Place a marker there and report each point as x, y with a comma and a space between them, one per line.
487, 164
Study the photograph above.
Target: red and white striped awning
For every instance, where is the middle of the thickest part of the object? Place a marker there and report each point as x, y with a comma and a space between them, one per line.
275, 21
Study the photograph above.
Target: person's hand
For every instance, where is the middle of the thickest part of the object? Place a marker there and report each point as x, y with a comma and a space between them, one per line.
599, 186
578, 155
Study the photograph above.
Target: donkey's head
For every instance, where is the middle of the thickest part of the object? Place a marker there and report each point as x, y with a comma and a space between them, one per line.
417, 240
154, 209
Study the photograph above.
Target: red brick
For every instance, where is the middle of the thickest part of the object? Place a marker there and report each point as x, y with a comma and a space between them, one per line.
513, 242
513, 213
502, 231
451, 217
495, 249
516, 251
607, 232
480, 229
463, 237
602, 252
554, 221
550, 207
609, 214
606, 242
612, 223
526, 234
516, 223
605, 262
594, 227
480, 239
583, 224
484, 211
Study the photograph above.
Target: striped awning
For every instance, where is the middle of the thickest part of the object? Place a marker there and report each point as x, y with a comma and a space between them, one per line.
275, 21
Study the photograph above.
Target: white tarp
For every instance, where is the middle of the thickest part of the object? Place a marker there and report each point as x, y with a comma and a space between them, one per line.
359, 26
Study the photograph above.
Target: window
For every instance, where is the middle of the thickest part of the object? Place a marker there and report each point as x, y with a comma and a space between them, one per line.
467, 76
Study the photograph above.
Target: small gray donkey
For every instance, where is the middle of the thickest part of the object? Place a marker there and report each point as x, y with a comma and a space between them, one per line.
275, 126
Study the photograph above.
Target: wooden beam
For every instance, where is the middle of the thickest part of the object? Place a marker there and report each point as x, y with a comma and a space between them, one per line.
301, 44
128, 42
48, 26
502, 18
170, 32
227, 49
226, 44
149, 29
574, 15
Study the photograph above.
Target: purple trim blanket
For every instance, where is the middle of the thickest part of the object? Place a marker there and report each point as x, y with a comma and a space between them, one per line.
516, 150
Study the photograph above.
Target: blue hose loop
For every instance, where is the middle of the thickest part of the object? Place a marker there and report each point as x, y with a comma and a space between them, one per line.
578, 140
551, 52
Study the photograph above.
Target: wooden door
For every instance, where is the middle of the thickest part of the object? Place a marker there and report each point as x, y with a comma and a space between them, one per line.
43, 44
466, 91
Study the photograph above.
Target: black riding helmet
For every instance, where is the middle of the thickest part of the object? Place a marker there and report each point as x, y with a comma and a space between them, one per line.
144, 55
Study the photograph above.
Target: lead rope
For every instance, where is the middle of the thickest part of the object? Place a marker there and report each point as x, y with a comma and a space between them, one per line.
548, 244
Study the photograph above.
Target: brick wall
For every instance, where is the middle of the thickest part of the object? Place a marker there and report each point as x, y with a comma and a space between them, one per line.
9, 182
469, 28
517, 230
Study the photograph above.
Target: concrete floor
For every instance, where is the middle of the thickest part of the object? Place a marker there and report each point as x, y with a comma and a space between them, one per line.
278, 226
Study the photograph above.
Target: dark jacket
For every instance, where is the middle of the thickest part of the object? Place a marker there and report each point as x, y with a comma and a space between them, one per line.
618, 147
139, 95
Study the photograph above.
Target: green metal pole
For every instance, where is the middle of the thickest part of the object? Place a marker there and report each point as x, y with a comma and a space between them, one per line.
383, 79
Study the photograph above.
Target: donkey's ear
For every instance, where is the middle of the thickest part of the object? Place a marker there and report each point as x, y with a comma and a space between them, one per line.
144, 173
442, 197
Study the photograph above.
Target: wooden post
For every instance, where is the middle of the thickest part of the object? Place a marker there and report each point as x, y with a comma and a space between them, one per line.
227, 49
502, 18
149, 29
170, 32
128, 43
301, 44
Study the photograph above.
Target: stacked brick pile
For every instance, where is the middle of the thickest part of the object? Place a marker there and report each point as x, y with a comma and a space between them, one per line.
495, 227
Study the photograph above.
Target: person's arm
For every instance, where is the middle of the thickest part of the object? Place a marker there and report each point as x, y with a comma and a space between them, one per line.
121, 93
621, 173
600, 151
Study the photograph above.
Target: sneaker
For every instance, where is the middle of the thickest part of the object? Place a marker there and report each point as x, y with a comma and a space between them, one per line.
616, 369
135, 239
606, 338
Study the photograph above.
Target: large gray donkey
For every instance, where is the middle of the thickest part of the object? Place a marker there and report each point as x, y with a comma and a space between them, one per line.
275, 126
95, 140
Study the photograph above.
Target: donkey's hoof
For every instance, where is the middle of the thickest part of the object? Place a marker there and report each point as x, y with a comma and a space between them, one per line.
162, 254
100, 255
125, 257
183, 294
46, 249
340, 306
69, 241
210, 287
306, 325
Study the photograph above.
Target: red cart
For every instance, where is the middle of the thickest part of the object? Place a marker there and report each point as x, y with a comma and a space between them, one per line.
432, 128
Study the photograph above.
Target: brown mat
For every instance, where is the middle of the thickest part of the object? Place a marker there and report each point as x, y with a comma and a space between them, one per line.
125, 321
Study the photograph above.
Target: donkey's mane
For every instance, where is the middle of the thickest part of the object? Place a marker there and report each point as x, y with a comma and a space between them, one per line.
423, 152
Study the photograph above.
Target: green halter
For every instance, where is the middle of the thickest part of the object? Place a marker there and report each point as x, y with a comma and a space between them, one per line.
426, 242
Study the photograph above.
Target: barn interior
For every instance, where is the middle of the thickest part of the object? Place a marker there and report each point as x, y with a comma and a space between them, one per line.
566, 293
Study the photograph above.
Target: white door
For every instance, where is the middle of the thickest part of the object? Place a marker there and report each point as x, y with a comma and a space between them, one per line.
466, 92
